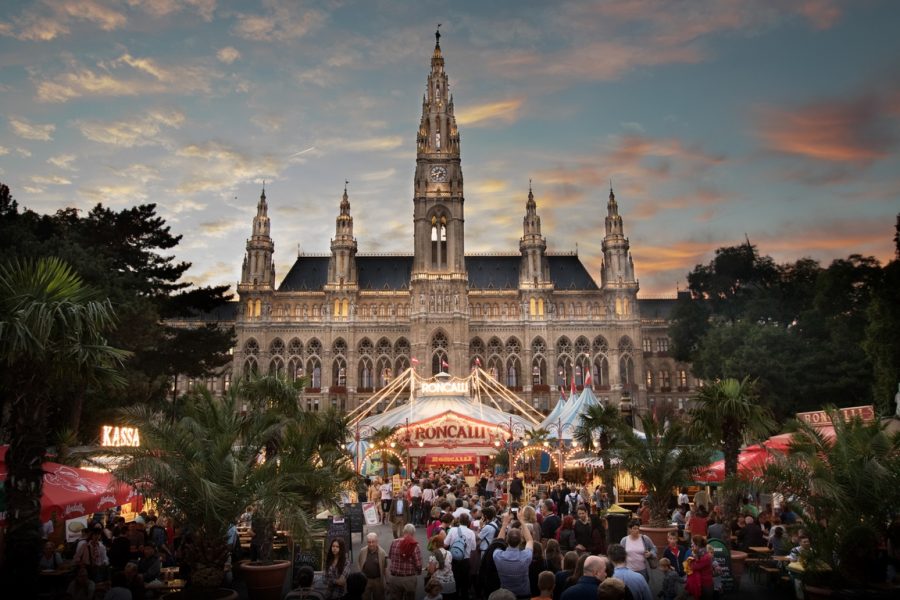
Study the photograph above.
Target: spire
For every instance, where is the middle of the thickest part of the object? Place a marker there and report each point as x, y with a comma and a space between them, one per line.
534, 270
612, 207
437, 58
345, 202
262, 208
530, 206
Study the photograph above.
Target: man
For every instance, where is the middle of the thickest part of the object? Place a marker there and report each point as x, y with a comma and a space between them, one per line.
415, 498
635, 582
398, 513
584, 532
715, 529
512, 564
490, 487
701, 498
405, 558
150, 565
92, 554
386, 495
551, 521
304, 582
586, 586
462, 566
515, 488
749, 508
461, 509
801, 550
372, 563
573, 500
490, 526
751, 534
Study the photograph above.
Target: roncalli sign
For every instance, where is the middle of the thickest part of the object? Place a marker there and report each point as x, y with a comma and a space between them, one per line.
444, 388
820, 418
113, 436
451, 431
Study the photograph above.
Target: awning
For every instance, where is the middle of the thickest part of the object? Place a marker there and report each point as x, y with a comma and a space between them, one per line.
71, 492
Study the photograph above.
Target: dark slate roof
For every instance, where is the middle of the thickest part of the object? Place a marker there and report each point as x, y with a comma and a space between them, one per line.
392, 273
656, 308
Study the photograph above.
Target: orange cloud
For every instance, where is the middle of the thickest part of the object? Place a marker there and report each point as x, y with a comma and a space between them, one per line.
491, 113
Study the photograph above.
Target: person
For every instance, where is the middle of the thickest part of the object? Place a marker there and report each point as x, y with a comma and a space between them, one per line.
513, 563
635, 583
551, 522
462, 565
553, 555
81, 588
386, 496
639, 550
546, 582
750, 534
415, 502
701, 498
372, 562
149, 565
586, 586
778, 543
699, 583
304, 585
749, 508
134, 581
92, 554
538, 565
516, 487
717, 529
490, 525
440, 566
683, 496
502, 594
337, 567
584, 531
405, 564
613, 589
118, 588
434, 590
356, 586
566, 534
698, 523
801, 549
671, 580
528, 517
488, 578
675, 553
398, 513
50, 558
644, 512
573, 500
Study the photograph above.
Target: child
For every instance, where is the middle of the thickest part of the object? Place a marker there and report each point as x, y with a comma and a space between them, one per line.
433, 589
717, 572
546, 583
671, 580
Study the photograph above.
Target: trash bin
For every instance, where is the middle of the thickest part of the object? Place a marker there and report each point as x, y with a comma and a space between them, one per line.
617, 524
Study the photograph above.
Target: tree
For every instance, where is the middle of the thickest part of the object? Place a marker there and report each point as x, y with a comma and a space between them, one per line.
726, 415
204, 469
882, 336
380, 438
663, 461
52, 336
599, 430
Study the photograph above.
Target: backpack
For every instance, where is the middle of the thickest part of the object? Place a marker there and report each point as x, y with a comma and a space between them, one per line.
482, 546
458, 547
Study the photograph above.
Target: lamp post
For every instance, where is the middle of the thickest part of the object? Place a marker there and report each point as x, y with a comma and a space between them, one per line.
515, 432
560, 429
359, 434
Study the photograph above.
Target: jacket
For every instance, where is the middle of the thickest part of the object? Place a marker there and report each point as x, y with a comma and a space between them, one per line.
382, 561
584, 589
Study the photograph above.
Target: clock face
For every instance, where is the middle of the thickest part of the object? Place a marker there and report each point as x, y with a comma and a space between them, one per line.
439, 174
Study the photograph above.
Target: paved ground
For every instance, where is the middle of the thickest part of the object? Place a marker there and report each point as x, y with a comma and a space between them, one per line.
750, 588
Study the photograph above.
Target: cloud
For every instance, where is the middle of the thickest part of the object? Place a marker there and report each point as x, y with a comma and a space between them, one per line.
842, 131
45, 21
50, 180
31, 131
139, 172
491, 113
378, 175
122, 194
144, 131
33, 189
268, 123
389, 142
63, 161
221, 227
213, 166
228, 55
282, 20
163, 8
3, 151
127, 75
23, 152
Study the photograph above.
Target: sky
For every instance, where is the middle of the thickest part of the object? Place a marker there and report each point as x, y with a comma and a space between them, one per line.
715, 120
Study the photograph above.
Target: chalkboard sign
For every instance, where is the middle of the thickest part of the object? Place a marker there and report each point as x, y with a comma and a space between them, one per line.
354, 513
339, 528
311, 555
722, 556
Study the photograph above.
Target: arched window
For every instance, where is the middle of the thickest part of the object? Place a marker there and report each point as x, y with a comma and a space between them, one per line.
439, 360
626, 370
251, 347
438, 242
601, 372
538, 370
365, 374
276, 366
649, 377
512, 372
339, 371
251, 367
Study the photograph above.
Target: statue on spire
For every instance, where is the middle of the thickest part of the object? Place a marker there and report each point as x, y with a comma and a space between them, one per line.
437, 36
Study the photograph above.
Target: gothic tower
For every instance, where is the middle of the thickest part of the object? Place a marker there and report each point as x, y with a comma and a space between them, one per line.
439, 281
617, 271
342, 265
258, 270
534, 272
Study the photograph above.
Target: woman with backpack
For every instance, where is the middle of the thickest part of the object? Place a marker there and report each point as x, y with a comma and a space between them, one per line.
440, 566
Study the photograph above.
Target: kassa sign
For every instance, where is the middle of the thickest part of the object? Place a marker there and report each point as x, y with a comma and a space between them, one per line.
113, 436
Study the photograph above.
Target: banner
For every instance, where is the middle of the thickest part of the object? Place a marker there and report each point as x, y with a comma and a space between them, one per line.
370, 513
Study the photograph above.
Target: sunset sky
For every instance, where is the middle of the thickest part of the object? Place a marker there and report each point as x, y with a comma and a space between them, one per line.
714, 119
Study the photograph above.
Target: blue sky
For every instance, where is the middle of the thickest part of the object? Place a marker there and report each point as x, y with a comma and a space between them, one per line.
777, 119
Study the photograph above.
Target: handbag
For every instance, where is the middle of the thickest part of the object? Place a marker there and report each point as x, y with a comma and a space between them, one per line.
653, 559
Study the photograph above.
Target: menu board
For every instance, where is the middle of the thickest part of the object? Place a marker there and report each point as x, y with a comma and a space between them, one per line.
339, 528
354, 512
312, 555
722, 556
371, 513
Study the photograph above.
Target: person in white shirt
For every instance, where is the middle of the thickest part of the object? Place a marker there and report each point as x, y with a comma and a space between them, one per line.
461, 567
461, 509
415, 495
387, 494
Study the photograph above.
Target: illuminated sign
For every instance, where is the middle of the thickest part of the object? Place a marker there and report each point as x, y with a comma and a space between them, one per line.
437, 388
119, 436
821, 418
452, 431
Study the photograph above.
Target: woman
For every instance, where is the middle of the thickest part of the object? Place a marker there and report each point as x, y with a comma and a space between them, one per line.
434, 524
440, 565
553, 556
699, 582
639, 549
81, 588
538, 565
528, 516
578, 571
570, 560
337, 567
698, 523
50, 558
566, 534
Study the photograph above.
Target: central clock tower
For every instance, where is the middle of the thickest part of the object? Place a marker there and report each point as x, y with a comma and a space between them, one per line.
438, 281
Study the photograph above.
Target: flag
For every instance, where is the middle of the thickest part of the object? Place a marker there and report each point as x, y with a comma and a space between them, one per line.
477, 362
587, 380
562, 394
415, 361
445, 364
572, 387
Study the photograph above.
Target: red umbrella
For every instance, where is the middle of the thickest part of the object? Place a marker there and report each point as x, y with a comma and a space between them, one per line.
751, 462
70, 492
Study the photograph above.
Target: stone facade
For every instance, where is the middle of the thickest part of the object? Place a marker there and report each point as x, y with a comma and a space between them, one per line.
534, 319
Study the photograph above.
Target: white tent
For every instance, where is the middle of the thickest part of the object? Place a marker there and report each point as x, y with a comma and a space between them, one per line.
433, 406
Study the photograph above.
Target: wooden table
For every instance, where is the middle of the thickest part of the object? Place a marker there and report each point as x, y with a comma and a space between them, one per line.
762, 550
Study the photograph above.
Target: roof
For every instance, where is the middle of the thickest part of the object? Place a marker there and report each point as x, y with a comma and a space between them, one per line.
656, 308
432, 406
500, 272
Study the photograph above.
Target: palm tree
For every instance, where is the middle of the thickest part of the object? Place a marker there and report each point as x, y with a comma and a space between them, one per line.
599, 430
662, 462
726, 415
846, 489
381, 437
51, 340
205, 468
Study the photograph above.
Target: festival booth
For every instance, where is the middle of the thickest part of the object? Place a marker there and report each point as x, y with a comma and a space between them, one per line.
440, 421
73, 495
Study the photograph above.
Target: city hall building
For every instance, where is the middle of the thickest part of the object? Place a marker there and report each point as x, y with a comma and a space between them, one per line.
531, 318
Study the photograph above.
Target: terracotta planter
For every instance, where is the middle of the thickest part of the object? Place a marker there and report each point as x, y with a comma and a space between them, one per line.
221, 594
737, 565
265, 582
658, 535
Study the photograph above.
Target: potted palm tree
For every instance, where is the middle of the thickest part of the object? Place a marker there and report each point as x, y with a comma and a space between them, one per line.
845, 490
599, 430
662, 462
206, 467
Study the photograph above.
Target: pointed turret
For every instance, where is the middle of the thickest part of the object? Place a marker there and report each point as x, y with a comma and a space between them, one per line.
342, 266
534, 271
258, 270
617, 271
